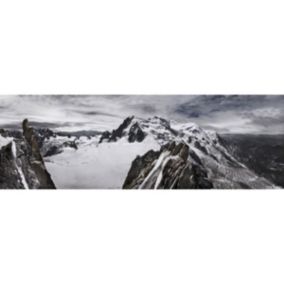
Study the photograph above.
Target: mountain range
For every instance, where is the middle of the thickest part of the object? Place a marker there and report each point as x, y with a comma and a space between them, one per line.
152, 153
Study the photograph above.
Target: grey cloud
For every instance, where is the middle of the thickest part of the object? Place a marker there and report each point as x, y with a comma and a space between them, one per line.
205, 105
224, 113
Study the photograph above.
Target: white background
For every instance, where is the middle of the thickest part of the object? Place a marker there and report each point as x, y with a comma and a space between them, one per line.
141, 47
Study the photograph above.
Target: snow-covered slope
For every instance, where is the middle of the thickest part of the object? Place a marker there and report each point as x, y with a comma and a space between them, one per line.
140, 153
94, 165
168, 168
104, 162
21, 164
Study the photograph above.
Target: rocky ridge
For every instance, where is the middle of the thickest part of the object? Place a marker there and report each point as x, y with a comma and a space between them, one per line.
183, 156
169, 168
21, 163
205, 153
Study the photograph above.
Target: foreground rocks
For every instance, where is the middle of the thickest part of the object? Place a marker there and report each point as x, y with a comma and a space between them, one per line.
170, 168
22, 165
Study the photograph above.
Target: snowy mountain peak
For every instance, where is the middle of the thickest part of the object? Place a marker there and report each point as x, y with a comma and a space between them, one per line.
135, 129
155, 152
206, 150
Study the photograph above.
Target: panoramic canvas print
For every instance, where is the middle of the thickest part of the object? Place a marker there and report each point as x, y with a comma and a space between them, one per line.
142, 142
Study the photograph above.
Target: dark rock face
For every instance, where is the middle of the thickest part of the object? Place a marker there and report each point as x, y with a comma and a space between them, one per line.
21, 163
136, 129
169, 168
136, 134
264, 154
11, 133
42, 134
200, 147
9, 175
105, 136
52, 150
117, 133
48, 150
16, 168
37, 163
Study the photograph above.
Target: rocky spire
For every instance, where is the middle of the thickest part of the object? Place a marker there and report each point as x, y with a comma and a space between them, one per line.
117, 133
37, 163
169, 168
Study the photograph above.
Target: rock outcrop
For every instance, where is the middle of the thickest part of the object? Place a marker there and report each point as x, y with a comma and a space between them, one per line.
22, 165
116, 133
170, 168
136, 129
36, 160
11, 168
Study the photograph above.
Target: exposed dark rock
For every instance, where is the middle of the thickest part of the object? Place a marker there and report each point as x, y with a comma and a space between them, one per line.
9, 175
136, 133
37, 163
43, 134
21, 163
16, 169
136, 130
194, 157
105, 136
200, 147
54, 147
140, 168
53, 150
169, 168
117, 133
264, 154
71, 144
213, 157
166, 124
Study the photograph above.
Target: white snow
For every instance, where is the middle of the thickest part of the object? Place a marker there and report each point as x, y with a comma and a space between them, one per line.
5, 140
91, 166
23, 179
106, 165
160, 176
156, 167
14, 150
183, 126
19, 169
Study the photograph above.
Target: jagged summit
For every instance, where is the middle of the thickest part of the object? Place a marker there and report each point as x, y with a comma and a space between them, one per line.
131, 128
205, 151
136, 129
169, 168
21, 163
140, 153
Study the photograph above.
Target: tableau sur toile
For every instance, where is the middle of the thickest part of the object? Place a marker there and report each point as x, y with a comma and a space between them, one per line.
142, 142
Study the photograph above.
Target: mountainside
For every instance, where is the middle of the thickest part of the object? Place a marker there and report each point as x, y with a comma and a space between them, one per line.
21, 163
136, 129
151, 153
94, 164
169, 168
264, 154
205, 152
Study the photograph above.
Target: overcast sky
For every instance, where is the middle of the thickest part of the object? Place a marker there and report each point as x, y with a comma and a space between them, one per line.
226, 114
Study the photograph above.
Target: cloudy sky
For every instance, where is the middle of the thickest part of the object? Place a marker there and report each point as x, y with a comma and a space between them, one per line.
226, 114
